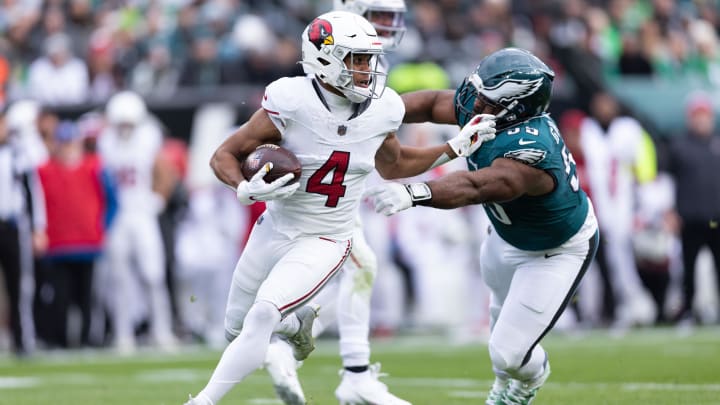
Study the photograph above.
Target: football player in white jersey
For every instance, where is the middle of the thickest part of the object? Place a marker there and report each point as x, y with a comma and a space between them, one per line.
340, 122
347, 299
129, 147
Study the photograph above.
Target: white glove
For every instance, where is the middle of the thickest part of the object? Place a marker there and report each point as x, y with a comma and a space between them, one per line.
391, 198
256, 189
481, 128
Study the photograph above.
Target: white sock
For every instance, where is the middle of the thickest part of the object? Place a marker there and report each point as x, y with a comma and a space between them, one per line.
353, 314
245, 354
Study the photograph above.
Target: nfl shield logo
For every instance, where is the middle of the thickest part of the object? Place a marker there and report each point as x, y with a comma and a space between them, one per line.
342, 130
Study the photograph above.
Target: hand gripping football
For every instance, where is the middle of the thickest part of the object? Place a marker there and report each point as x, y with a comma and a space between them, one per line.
283, 161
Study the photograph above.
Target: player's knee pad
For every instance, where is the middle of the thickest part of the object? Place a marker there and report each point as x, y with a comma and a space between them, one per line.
262, 313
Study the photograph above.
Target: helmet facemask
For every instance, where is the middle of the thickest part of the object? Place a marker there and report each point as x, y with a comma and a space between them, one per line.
390, 26
386, 16
466, 101
367, 87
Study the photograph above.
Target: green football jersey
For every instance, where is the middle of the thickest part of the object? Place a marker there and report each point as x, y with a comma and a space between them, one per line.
536, 222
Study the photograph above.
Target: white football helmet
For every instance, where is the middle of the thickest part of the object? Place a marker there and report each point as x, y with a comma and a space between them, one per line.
329, 39
387, 16
126, 107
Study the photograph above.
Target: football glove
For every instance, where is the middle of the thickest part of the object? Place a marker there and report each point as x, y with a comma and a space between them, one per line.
391, 198
481, 128
256, 189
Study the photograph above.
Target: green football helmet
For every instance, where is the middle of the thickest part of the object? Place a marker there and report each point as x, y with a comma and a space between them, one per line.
514, 82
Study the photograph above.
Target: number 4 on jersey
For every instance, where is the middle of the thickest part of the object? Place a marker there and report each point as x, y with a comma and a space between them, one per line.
338, 164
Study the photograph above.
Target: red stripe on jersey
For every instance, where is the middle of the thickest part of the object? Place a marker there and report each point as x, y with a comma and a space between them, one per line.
322, 282
329, 240
271, 111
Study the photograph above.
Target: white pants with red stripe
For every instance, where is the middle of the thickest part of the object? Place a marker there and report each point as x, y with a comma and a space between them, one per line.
286, 272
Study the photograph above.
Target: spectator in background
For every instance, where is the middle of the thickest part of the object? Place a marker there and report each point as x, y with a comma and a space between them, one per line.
58, 77
155, 74
694, 163
104, 80
204, 69
80, 202
22, 230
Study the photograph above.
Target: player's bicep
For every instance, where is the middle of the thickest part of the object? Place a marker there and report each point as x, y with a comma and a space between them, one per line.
519, 178
387, 155
258, 130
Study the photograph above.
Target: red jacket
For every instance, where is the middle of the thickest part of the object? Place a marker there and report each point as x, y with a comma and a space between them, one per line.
75, 204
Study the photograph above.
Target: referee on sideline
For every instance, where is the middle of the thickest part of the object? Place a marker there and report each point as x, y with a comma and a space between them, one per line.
22, 229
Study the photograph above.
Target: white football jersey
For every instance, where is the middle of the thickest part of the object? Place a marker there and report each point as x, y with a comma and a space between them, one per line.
336, 153
131, 160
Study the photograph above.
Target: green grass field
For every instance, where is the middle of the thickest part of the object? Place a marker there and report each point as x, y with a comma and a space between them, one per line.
655, 366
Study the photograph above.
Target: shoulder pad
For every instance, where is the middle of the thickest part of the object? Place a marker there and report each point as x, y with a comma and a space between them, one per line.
286, 94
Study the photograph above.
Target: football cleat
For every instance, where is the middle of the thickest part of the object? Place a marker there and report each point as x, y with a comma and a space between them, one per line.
497, 391
523, 393
365, 389
303, 342
282, 367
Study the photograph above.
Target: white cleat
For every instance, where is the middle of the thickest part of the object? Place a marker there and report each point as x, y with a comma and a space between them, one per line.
282, 367
303, 342
365, 389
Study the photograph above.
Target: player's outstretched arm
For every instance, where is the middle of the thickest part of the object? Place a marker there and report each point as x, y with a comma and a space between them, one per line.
395, 161
504, 180
429, 105
228, 157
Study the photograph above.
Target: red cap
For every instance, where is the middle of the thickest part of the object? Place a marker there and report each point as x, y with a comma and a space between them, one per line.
699, 102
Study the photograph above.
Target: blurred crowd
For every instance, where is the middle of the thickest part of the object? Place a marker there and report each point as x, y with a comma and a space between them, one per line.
113, 231
82, 51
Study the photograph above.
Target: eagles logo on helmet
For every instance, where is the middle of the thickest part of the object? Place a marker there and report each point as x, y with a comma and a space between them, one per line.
320, 33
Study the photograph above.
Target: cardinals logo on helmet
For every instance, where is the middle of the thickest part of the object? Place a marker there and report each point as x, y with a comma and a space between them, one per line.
320, 33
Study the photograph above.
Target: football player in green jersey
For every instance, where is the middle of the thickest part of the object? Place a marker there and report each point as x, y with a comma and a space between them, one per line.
544, 232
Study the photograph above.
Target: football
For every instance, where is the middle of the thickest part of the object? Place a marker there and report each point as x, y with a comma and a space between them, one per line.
283, 161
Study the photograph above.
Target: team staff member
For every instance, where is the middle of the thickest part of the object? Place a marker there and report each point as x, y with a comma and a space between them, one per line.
22, 229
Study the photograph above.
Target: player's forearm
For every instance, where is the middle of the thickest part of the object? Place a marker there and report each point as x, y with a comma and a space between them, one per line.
226, 168
459, 189
415, 161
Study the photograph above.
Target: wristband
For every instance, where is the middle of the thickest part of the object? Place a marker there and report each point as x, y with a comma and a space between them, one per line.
419, 192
